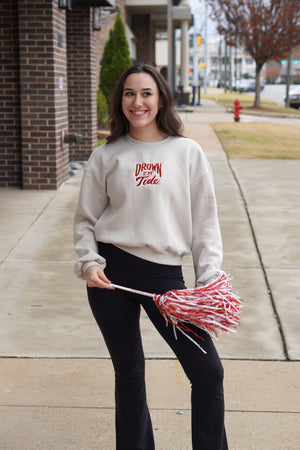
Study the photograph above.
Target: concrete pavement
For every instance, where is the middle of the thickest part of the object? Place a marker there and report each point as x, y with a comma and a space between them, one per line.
56, 377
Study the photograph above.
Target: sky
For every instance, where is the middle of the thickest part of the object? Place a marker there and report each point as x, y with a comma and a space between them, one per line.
198, 10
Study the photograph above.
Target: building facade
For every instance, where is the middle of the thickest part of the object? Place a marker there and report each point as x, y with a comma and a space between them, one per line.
51, 55
48, 90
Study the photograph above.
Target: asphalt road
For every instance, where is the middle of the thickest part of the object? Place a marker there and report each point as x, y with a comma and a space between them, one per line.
275, 93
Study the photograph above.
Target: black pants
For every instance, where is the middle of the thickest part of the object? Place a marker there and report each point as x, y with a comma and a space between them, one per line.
117, 314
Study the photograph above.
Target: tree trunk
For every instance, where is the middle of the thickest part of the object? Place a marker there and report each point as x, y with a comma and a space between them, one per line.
257, 87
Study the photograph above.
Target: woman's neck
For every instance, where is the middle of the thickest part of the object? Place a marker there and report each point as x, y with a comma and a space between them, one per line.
144, 135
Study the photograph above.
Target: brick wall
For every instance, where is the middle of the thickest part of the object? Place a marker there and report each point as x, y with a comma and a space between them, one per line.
40, 97
10, 123
43, 81
60, 92
82, 85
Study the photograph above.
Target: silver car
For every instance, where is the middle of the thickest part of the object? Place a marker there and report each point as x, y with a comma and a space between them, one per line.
294, 97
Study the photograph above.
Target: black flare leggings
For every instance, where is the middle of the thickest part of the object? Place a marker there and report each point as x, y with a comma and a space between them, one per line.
117, 313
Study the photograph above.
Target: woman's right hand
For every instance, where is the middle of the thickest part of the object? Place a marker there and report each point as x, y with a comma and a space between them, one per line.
95, 277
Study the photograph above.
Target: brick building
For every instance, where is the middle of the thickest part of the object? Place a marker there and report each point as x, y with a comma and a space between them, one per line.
48, 90
49, 79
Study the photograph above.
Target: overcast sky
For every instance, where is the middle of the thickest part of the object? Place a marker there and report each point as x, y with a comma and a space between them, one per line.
198, 10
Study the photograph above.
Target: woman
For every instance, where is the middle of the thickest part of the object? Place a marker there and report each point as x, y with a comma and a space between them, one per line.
146, 200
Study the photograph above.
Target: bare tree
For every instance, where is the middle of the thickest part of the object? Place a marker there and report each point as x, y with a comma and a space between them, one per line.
266, 29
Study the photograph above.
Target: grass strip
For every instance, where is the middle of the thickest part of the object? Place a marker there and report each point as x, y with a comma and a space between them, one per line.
247, 100
259, 140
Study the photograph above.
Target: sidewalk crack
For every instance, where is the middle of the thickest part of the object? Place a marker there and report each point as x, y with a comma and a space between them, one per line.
20, 238
269, 290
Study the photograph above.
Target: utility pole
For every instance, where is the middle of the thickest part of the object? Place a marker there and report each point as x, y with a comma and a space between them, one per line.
170, 45
225, 67
198, 41
205, 50
195, 65
220, 79
230, 68
288, 80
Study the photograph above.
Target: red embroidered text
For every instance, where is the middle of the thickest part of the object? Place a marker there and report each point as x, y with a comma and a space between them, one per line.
147, 173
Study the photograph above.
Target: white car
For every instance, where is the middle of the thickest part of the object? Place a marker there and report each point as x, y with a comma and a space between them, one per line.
246, 85
294, 97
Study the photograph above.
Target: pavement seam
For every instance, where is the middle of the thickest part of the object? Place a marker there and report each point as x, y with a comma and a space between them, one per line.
269, 290
28, 228
147, 358
112, 408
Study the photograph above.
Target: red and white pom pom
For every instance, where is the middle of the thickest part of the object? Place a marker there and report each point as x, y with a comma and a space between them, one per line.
212, 307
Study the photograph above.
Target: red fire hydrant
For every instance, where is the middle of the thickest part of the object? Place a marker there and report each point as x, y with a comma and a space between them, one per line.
237, 107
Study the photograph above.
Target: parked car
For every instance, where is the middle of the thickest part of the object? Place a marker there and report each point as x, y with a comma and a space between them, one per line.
294, 97
248, 85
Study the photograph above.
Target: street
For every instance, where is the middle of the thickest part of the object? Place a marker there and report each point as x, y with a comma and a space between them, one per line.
275, 93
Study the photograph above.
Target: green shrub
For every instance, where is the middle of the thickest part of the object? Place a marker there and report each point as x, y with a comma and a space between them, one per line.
115, 59
102, 110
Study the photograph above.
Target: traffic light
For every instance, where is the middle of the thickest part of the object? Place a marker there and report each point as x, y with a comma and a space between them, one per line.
199, 40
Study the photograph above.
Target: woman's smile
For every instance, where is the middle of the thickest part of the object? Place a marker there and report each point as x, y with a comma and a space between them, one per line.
138, 112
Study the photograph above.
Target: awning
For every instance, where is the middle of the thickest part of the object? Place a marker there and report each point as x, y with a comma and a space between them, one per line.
95, 3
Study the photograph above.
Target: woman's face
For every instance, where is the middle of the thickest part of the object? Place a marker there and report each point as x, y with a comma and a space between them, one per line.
141, 103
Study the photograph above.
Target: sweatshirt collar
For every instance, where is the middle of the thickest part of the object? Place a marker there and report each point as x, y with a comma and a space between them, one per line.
143, 144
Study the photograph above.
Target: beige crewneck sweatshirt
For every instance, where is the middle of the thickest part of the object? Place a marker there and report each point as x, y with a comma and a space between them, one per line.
154, 200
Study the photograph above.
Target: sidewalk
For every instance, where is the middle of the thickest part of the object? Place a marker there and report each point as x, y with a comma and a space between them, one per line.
56, 377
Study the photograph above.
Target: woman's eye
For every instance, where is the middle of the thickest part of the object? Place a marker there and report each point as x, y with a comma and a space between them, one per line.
146, 94
128, 94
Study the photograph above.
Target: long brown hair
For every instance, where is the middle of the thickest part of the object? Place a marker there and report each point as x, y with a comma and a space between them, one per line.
167, 120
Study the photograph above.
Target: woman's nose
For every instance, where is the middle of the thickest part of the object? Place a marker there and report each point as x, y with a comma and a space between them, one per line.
137, 99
